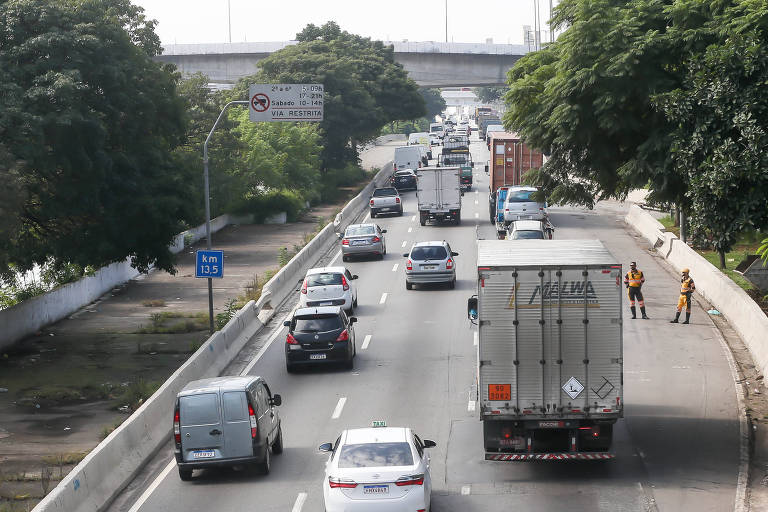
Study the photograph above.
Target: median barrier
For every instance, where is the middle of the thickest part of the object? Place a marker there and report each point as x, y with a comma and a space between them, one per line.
744, 315
109, 467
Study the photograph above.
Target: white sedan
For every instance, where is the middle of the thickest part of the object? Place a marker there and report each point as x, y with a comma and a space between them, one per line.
377, 469
329, 286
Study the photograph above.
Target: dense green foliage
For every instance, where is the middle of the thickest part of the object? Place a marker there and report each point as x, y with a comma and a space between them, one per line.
656, 93
433, 101
364, 87
489, 94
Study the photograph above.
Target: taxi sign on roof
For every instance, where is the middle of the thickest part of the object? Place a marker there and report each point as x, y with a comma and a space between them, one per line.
378, 423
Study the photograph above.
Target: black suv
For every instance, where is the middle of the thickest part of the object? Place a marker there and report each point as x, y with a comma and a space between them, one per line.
320, 335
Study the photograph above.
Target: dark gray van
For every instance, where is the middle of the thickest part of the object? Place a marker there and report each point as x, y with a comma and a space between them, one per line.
226, 421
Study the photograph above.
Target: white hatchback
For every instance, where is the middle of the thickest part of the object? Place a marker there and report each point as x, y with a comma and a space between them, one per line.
519, 205
376, 470
329, 286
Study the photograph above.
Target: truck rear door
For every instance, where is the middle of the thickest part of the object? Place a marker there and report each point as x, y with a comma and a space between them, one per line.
428, 189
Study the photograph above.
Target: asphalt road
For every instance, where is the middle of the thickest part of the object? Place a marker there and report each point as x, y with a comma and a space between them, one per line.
677, 448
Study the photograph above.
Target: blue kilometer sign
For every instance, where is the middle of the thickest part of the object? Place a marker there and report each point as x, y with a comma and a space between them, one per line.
209, 264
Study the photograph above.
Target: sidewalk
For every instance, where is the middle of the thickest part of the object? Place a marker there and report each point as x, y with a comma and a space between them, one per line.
64, 384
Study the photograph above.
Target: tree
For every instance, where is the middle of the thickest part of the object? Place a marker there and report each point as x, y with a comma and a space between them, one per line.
88, 122
364, 87
489, 94
433, 101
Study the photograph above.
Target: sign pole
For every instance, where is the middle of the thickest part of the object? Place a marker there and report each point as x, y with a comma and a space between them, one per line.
207, 194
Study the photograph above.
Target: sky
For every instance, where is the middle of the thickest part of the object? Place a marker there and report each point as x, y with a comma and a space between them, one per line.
205, 21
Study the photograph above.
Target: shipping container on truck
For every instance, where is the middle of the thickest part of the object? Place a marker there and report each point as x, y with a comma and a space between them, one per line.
550, 363
439, 194
484, 122
510, 159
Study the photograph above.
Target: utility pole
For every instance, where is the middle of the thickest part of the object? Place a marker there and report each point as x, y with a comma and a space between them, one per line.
229, 19
446, 21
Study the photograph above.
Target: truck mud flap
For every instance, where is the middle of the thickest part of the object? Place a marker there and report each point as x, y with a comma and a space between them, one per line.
509, 457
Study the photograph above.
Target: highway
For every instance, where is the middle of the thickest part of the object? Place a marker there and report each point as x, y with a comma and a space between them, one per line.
677, 447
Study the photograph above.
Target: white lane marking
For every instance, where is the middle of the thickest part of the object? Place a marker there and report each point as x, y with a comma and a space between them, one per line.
465, 489
477, 339
383, 298
471, 406
410, 230
367, 216
477, 191
477, 215
335, 258
477, 202
154, 485
339, 407
300, 499
278, 330
366, 342
405, 242
394, 269
413, 219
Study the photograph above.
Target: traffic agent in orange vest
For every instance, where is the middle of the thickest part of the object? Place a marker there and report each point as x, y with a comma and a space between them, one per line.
686, 290
634, 280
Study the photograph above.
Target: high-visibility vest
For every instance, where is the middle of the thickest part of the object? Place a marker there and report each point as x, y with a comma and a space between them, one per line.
634, 279
686, 285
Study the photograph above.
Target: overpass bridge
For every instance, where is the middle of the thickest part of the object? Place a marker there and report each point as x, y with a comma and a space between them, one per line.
430, 64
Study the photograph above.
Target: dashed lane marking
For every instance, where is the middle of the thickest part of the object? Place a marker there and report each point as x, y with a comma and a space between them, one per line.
339, 408
465, 489
299, 503
366, 342
477, 215
394, 268
410, 230
413, 219
383, 298
471, 406
405, 242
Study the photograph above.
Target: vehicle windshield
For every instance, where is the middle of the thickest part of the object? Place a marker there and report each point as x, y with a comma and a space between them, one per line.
520, 196
384, 192
373, 455
317, 323
528, 235
326, 279
435, 252
436, 129
359, 231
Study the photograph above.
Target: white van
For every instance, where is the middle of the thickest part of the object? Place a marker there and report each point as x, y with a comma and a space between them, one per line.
421, 138
437, 128
407, 157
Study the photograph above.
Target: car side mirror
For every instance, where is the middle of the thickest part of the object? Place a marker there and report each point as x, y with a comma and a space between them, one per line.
472, 308
383, 230
287, 323
354, 276
276, 400
352, 319
326, 447
340, 235
405, 255
428, 443
454, 254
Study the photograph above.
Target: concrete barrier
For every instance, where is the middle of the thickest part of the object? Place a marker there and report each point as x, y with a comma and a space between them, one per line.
29, 316
106, 470
735, 304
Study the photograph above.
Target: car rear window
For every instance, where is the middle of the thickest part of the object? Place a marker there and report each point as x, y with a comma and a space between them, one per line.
359, 231
317, 323
200, 409
436, 252
404, 173
325, 279
520, 196
375, 455
382, 192
455, 159
528, 235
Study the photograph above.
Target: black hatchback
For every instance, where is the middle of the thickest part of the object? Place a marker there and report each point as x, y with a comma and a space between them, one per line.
320, 335
403, 180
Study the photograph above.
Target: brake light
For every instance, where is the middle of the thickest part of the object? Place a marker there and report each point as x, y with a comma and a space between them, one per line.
304, 286
344, 241
409, 265
291, 340
410, 480
344, 483
449, 264
371, 202
397, 200
344, 283
344, 336
375, 239
176, 427
254, 423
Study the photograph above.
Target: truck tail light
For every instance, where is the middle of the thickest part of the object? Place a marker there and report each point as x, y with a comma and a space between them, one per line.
176, 428
344, 241
344, 483
449, 264
344, 336
410, 480
304, 286
252, 419
344, 283
409, 265
291, 340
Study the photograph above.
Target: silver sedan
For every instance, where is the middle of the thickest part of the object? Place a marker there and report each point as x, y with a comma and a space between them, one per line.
363, 239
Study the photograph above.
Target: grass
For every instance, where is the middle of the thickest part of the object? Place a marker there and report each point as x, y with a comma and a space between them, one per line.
153, 303
135, 393
64, 459
171, 322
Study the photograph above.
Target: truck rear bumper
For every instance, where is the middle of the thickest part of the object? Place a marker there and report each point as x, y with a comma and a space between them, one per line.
514, 457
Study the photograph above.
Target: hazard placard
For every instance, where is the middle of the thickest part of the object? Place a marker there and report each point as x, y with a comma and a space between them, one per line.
286, 102
573, 388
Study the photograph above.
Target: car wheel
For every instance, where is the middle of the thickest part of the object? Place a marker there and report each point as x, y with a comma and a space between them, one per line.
452, 284
400, 213
380, 255
265, 465
350, 364
345, 258
373, 214
351, 310
290, 368
408, 286
185, 474
277, 444
354, 303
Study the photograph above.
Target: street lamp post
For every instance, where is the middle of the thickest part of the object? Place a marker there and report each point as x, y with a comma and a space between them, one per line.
208, 204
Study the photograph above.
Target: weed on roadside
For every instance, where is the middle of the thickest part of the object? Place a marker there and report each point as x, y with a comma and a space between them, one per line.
163, 323
153, 303
230, 308
136, 393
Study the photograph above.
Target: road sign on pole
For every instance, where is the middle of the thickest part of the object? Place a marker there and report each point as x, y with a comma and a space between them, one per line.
286, 102
209, 264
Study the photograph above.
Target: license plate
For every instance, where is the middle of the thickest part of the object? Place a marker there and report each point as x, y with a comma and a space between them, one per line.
375, 489
203, 454
330, 303
429, 267
317, 356
359, 242
384, 209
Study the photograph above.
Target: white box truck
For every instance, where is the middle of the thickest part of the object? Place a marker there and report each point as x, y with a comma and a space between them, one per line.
550, 368
438, 192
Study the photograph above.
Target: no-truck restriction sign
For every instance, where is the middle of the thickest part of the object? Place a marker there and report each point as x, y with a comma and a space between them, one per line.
286, 102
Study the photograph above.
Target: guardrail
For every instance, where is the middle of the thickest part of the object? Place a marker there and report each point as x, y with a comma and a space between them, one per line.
109, 467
